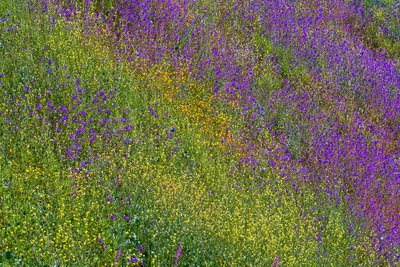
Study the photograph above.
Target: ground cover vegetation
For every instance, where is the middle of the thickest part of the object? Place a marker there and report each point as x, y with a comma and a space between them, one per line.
199, 133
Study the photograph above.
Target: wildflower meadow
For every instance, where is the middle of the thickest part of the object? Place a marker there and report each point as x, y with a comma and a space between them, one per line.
199, 133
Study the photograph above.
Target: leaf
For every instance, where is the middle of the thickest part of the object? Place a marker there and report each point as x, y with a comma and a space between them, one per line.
8, 255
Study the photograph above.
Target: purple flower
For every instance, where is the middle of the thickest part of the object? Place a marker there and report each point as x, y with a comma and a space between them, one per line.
1, 75
152, 112
113, 217
127, 218
276, 261
72, 136
272, 163
118, 255
134, 259
178, 254
100, 239
92, 132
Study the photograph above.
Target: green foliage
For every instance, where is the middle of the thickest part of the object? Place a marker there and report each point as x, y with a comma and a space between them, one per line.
383, 29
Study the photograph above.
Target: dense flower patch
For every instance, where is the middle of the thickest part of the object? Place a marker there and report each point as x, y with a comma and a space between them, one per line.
180, 132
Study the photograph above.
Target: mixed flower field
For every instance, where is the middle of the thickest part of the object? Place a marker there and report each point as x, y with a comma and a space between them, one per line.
199, 133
